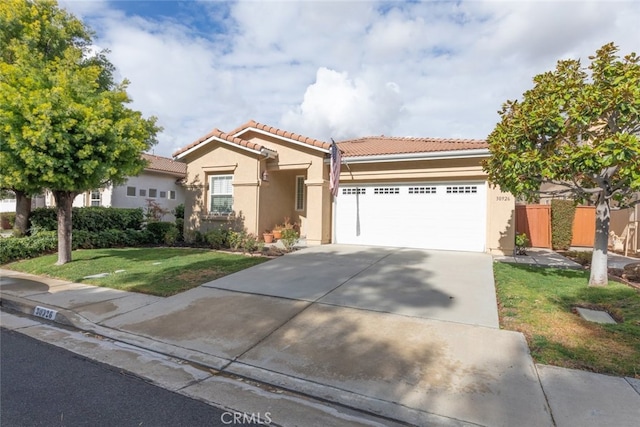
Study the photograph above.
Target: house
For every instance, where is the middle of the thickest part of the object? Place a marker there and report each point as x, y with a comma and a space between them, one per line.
405, 192
160, 181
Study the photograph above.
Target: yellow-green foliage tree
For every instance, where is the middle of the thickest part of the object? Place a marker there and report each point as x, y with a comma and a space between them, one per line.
64, 121
577, 129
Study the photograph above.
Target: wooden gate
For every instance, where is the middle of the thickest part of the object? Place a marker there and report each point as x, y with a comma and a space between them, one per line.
584, 226
535, 222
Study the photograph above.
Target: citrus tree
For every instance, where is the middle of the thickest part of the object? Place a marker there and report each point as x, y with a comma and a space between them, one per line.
64, 121
577, 130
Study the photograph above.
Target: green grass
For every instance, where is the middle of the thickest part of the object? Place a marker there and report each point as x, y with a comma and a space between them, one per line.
155, 271
540, 303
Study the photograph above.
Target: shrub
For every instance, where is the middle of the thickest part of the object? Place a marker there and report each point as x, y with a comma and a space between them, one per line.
522, 243
562, 214
89, 219
289, 238
159, 230
171, 236
236, 239
178, 211
14, 248
7, 220
218, 238
194, 237
180, 227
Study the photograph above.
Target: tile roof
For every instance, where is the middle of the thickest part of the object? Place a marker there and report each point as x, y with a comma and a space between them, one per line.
221, 135
283, 133
387, 145
164, 164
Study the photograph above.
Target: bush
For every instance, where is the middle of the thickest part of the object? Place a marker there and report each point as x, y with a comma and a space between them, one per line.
89, 219
194, 237
178, 211
218, 238
289, 238
562, 214
180, 227
15, 248
171, 236
522, 243
7, 220
159, 230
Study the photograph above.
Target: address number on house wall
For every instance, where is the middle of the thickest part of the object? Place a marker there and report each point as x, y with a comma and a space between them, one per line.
503, 198
45, 313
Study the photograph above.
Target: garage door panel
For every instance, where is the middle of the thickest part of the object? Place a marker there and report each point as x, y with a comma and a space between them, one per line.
436, 216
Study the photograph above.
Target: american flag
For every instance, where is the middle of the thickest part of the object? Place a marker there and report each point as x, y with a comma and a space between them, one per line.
336, 160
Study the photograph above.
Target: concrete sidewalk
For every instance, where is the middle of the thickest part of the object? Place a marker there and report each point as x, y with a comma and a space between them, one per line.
405, 367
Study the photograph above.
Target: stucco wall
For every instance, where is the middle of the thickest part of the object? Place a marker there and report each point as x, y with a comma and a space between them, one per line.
146, 181
501, 221
218, 159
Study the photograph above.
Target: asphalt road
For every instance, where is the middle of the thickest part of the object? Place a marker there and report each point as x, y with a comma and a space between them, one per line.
43, 385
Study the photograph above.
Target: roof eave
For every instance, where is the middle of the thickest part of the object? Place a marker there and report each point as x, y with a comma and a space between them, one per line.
453, 154
262, 151
284, 138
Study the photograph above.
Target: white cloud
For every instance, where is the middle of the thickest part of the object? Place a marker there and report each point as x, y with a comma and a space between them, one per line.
347, 68
339, 107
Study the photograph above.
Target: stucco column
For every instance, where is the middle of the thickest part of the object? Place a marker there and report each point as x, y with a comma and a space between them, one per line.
318, 211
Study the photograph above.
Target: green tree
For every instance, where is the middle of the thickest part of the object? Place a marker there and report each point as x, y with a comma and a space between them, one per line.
578, 130
64, 123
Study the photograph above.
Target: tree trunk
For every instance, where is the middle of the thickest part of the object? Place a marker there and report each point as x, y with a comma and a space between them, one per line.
64, 204
23, 210
599, 272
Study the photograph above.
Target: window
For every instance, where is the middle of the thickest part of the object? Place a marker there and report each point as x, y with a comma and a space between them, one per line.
163, 194
95, 197
221, 194
462, 189
172, 194
153, 193
300, 193
131, 191
386, 190
143, 192
422, 190
354, 191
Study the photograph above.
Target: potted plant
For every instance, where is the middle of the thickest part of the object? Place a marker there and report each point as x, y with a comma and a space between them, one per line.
277, 232
522, 243
267, 236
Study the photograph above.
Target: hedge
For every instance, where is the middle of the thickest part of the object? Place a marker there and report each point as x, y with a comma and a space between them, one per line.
15, 248
89, 219
562, 214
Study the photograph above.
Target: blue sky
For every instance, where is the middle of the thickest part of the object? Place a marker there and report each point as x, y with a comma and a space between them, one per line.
343, 69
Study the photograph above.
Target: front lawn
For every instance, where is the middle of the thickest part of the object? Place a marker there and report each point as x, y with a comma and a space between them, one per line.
540, 303
155, 271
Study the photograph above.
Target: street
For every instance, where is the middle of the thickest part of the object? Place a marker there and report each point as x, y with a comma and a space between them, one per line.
46, 385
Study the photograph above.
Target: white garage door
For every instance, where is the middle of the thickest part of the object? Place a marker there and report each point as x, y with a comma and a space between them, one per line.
449, 216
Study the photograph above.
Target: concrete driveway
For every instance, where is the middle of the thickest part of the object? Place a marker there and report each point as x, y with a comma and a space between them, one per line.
442, 285
410, 334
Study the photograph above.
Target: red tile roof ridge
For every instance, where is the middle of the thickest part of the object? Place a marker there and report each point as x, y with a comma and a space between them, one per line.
283, 133
414, 138
217, 133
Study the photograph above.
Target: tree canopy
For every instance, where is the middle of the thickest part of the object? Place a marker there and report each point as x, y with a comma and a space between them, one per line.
64, 121
577, 130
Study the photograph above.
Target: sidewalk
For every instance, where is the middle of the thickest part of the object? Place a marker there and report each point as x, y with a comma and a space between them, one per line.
504, 389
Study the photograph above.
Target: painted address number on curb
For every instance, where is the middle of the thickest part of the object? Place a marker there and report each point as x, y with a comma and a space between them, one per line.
45, 313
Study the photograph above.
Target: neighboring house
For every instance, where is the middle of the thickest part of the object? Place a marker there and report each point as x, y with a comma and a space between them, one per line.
161, 181
405, 192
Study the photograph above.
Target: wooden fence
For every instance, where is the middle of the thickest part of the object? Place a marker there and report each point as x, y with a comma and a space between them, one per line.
535, 221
